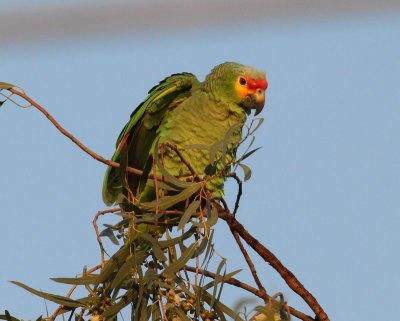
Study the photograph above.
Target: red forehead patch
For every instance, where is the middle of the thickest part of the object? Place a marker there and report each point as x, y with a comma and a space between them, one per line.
260, 83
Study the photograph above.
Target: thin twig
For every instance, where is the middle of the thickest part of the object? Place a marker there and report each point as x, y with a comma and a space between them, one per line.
70, 136
239, 193
80, 144
249, 262
60, 307
96, 228
235, 282
271, 259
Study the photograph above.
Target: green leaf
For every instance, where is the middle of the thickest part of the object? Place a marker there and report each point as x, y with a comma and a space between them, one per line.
227, 139
7, 86
218, 306
219, 279
260, 122
7, 316
155, 312
125, 271
108, 232
140, 297
210, 245
85, 280
154, 246
167, 243
125, 300
182, 315
248, 154
200, 249
188, 214
220, 266
168, 201
246, 171
144, 312
114, 263
129, 207
171, 179
177, 265
51, 297
212, 216
183, 286
214, 149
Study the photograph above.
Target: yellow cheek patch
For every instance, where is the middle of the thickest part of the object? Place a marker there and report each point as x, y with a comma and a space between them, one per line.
243, 91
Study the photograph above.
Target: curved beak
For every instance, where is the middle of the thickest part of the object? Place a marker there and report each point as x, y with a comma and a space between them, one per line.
256, 100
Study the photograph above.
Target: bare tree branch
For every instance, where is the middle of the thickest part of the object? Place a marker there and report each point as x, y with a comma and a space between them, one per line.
249, 262
244, 286
270, 258
70, 136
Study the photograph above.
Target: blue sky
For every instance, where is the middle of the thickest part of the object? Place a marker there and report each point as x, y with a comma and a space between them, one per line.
324, 196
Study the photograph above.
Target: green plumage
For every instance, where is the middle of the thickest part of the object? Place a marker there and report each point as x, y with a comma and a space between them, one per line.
184, 112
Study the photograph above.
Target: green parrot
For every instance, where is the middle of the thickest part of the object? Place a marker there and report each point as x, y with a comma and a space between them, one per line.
185, 113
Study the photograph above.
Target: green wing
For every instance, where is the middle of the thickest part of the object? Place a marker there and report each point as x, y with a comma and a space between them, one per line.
136, 138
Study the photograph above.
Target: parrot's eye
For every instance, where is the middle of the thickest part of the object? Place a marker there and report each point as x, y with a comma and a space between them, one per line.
242, 81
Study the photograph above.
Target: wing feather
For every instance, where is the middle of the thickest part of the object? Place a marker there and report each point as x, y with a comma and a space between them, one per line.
137, 136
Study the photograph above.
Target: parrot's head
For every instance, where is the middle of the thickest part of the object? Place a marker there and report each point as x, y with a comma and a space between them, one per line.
239, 84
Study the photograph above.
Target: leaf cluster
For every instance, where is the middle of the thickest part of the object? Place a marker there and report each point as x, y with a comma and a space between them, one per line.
157, 240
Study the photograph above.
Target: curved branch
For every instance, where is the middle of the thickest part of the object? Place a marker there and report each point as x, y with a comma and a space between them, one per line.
248, 288
96, 228
70, 136
239, 193
271, 259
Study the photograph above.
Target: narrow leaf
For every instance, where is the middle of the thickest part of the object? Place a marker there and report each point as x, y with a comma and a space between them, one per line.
220, 266
167, 243
227, 139
110, 234
114, 263
125, 300
168, 201
200, 249
214, 149
154, 246
246, 171
182, 315
188, 214
220, 306
155, 312
135, 259
8, 317
260, 122
85, 280
171, 179
51, 297
220, 278
171, 269
249, 153
212, 216
207, 256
